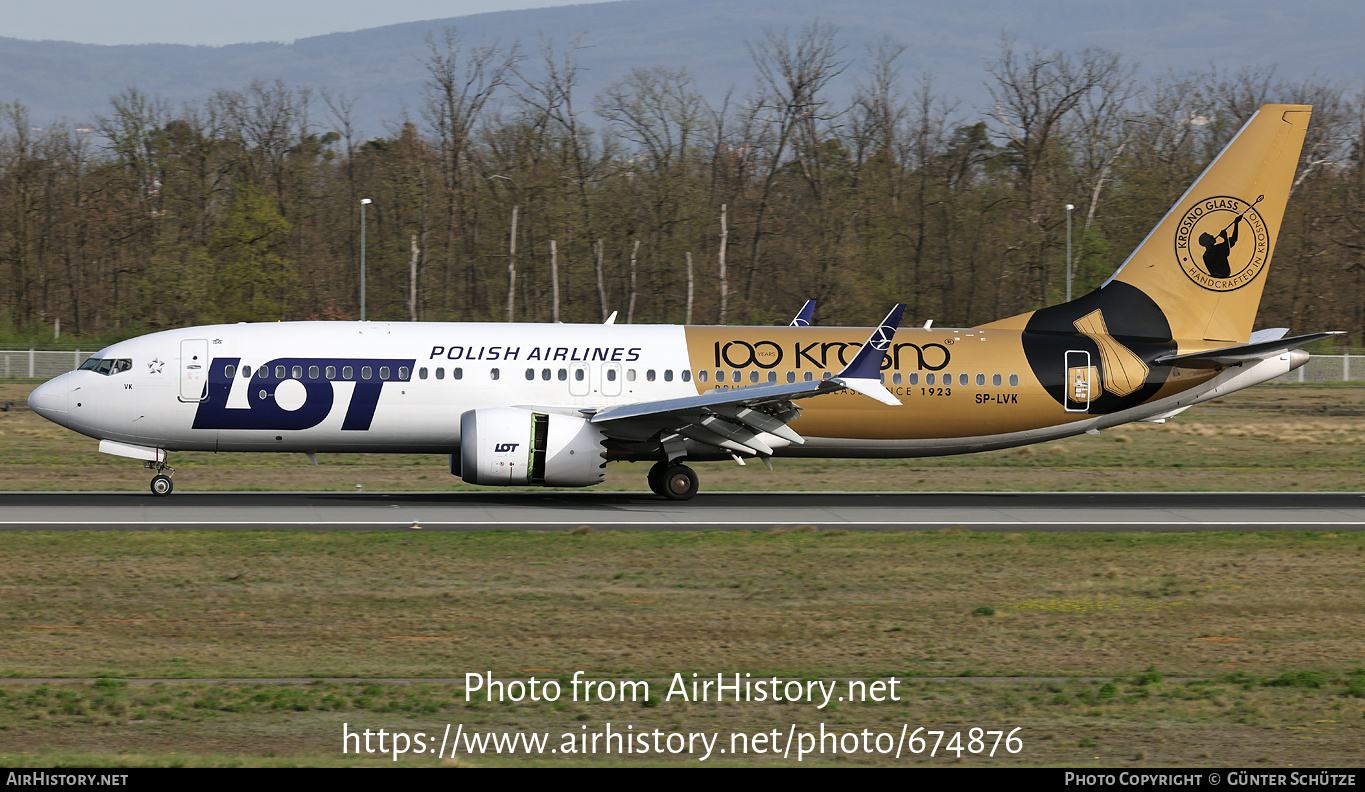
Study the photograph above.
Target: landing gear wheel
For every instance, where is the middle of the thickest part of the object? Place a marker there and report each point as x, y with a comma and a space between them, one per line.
656, 477
161, 485
680, 482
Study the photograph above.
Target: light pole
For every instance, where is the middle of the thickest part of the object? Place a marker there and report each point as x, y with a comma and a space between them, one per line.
1069, 207
363, 203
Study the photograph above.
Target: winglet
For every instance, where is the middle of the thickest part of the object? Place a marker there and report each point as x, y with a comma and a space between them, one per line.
805, 315
864, 373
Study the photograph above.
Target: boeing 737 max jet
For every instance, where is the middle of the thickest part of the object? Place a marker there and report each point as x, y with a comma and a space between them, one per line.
551, 404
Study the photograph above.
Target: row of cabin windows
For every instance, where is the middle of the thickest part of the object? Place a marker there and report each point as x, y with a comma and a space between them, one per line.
896, 378
947, 379
366, 373
317, 372
579, 374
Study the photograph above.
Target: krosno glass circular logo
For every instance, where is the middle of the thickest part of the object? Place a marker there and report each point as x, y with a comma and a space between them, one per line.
1222, 243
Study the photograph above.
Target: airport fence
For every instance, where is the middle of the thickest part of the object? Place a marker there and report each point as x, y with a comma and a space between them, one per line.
39, 364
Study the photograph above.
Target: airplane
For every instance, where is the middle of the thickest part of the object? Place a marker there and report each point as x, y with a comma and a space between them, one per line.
551, 404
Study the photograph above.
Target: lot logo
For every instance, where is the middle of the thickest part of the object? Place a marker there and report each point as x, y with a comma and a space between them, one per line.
503, 448
294, 393
1221, 243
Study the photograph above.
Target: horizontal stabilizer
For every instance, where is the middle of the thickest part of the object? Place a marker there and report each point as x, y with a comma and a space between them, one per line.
1233, 355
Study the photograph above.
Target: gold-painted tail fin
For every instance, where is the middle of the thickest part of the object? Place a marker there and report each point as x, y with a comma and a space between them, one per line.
1198, 276
1205, 263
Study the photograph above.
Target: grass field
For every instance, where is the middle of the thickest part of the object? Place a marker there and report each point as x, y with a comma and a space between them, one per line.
1304, 438
1271, 625
1273, 620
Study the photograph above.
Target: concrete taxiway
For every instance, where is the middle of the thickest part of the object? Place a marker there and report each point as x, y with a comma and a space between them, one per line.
479, 511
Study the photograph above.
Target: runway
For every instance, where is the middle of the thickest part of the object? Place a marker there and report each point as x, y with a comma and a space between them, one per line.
483, 511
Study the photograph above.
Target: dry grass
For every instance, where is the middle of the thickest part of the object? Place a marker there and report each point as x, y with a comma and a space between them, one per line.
796, 603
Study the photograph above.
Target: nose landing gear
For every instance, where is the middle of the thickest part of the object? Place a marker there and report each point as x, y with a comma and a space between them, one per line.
161, 482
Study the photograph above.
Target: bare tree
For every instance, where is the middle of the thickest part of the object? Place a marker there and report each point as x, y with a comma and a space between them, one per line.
792, 106
460, 84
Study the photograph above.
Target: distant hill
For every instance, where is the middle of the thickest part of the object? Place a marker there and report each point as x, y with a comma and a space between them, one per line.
953, 41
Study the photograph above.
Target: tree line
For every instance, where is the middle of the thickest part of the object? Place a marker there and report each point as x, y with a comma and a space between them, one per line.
509, 196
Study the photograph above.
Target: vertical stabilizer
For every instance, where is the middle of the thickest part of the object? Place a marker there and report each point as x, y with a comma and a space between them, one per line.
1205, 264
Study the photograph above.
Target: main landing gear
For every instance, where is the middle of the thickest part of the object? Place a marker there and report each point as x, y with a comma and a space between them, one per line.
675, 482
161, 482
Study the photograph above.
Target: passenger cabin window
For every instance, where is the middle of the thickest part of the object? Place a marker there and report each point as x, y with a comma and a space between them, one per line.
913, 379
440, 373
383, 372
701, 376
366, 372
422, 372
929, 379
279, 372
246, 371
563, 375
896, 378
578, 374
312, 372
995, 380
611, 375
494, 373
980, 379
530, 374
230, 371
403, 372
296, 372
962, 379
331, 372
1014, 380
347, 372
649, 375
687, 376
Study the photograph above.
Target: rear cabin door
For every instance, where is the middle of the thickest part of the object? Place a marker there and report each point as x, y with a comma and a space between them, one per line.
1081, 380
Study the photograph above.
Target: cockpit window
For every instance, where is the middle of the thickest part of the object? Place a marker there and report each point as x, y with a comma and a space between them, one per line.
106, 366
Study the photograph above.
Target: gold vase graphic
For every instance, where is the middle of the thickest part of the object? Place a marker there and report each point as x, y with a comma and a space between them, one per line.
1121, 371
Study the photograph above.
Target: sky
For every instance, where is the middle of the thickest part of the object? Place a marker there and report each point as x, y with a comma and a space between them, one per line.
219, 22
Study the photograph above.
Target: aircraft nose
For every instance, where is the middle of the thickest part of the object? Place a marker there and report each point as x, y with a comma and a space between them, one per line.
50, 400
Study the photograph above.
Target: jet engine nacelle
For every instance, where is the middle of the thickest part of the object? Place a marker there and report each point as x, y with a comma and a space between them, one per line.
511, 447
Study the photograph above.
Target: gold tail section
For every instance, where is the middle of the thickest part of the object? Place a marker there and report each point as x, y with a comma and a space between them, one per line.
1205, 264
1124, 372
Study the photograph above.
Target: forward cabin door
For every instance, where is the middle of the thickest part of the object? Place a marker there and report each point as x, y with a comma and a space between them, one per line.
194, 369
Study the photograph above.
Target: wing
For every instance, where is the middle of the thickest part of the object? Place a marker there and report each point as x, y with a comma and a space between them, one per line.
733, 418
